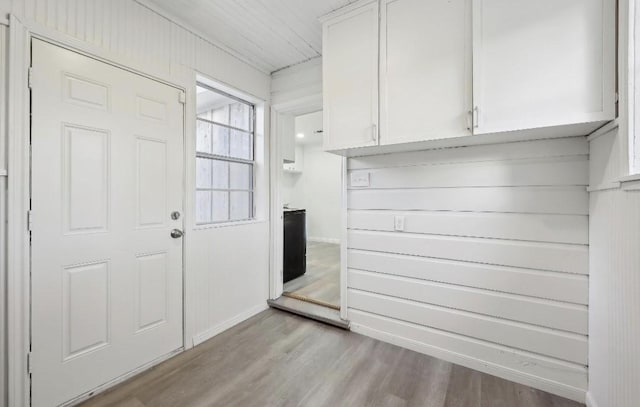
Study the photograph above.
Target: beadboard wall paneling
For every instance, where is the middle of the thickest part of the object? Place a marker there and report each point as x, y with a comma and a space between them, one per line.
614, 289
302, 81
135, 32
494, 255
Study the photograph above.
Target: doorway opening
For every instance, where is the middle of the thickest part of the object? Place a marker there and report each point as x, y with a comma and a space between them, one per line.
309, 188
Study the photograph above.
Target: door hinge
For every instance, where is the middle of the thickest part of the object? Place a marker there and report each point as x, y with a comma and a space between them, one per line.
617, 97
182, 98
30, 77
29, 221
29, 363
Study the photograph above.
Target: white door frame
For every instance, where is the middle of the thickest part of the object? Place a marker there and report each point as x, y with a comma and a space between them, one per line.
18, 193
299, 106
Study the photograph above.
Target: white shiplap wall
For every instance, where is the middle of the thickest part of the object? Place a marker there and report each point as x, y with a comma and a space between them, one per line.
614, 293
491, 270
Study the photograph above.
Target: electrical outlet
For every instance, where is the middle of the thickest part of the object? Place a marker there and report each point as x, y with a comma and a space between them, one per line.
360, 179
398, 223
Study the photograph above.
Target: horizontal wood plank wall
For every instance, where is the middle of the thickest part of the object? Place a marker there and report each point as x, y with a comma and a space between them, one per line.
491, 269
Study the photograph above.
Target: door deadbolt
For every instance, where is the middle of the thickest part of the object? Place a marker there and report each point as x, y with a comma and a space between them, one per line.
175, 215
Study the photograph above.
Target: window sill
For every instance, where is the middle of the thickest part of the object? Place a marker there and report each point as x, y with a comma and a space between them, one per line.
228, 224
630, 182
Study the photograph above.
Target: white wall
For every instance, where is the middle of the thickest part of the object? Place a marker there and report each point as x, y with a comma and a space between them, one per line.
291, 188
614, 291
492, 269
227, 267
298, 82
318, 188
321, 182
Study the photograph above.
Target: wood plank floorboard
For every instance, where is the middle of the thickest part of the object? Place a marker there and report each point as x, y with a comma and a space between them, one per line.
280, 359
322, 278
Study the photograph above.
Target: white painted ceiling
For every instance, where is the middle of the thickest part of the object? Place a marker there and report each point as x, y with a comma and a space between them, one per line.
269, 34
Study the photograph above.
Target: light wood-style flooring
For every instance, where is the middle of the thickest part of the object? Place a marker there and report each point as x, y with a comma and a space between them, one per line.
322, 279
279, 359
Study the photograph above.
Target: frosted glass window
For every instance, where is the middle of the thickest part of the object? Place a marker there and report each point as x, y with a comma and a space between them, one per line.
241, 145
220, 200
240, 176
240, 205
203, 206
203, 137
240, 116
224, 157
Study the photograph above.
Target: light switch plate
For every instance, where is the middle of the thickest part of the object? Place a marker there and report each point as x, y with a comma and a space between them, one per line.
398, 223
360, 179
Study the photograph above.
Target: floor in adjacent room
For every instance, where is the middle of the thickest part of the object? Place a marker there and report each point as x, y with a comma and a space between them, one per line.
322, 279
279, 359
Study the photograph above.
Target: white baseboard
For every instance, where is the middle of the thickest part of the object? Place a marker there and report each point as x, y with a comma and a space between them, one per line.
323, 240
493, 369
229, 323
590, 401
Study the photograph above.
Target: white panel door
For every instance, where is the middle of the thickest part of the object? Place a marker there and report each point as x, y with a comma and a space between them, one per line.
350, 79
107, 172
425, 70
542, 63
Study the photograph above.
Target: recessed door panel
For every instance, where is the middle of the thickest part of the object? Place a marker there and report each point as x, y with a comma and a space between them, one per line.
85, 92
151, 182
86, 179
86, 311
151, 292
151, 109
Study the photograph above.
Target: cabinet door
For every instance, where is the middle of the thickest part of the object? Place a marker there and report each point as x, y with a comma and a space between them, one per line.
542, 63
425, 70
350, 79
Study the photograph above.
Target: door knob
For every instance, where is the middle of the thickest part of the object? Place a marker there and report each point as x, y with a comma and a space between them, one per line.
176, 233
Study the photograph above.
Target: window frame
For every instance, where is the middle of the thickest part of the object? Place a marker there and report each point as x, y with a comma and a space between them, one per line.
230, 160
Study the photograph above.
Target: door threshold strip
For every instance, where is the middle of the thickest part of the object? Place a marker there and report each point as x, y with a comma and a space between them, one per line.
310, 300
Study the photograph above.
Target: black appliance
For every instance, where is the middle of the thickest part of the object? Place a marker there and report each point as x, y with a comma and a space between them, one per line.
295, 244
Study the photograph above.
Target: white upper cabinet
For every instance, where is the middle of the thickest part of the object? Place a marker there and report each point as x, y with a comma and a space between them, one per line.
461, 72
542, 63
350, 78
425, 70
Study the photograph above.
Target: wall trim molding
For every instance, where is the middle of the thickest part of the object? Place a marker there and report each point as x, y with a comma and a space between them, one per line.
604, 187
590, 401
605, 129
18, 195
229, 323
549, 386
323, 239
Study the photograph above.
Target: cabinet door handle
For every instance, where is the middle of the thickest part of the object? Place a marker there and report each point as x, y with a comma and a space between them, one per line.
374, 133
476, 117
